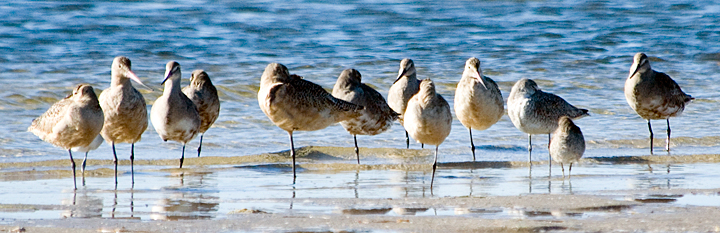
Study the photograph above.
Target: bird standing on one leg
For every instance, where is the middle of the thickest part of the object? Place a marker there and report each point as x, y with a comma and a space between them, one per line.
295, 104
174, 116
428, 119
654, 95
478, 101
205, 97
74, 121
405, 86
567, 144
125, 110
377, 116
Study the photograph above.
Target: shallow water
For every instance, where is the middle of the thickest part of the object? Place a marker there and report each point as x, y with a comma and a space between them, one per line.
579, 50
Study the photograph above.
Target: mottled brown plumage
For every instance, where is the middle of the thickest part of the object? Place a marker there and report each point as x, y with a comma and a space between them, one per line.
567, 144
293, 103
653, 95
74, 121
125, 110
377, 116
205, 97
174, 116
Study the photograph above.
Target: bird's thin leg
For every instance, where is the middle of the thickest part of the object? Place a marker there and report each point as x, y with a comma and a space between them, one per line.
132, 163
530, 149
72, 164
667, 146
182, 157
292, 153
115, 162
562, 168
200, 147
549, 157
357, 150
422, 145
569, 171
407, 139
82, 169
651, 136
432, 180
472, 145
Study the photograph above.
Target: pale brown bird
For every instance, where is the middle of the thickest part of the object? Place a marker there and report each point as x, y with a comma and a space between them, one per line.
567, 144
654, 95
428, 119
174, 116
295, 104
205, 97
478, 101
125, 110
74, 121
377, 116
405, 86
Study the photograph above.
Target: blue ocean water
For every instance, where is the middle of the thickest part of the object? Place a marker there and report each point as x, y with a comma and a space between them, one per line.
581, 51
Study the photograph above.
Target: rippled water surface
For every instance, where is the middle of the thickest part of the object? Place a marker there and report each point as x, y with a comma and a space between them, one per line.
581, 51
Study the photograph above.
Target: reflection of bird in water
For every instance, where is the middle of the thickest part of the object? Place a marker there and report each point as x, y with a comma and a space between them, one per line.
204, 95
377, 117
654, 95
408, 211
83, 206
74, 121
185, 204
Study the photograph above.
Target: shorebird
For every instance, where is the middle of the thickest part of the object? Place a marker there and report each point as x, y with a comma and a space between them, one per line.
536, 112
567, 144
295, 104
205, 97
654, 95
125, 110
405, 86
428, 119
478, 101
74, 121
377, 116
174, 116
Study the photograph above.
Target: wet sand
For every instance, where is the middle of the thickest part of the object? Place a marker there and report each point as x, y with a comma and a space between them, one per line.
392, 193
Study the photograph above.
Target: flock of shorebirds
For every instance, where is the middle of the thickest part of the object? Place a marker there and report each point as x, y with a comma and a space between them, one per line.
81, 121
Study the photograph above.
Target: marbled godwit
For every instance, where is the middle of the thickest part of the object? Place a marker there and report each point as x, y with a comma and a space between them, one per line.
377, 116
125, 110
204, 95
405, 86
174, 116
567, 144
295, 104
478, 101
428, 119
536, 112
654, 95
74, 121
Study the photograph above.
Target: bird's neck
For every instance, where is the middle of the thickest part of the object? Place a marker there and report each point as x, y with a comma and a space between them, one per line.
172, 86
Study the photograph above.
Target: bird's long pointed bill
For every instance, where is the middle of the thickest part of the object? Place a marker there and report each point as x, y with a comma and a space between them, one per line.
400, 76
479, 78
135, 78
166, 78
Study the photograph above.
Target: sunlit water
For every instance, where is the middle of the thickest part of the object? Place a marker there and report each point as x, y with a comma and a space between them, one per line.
580, 51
